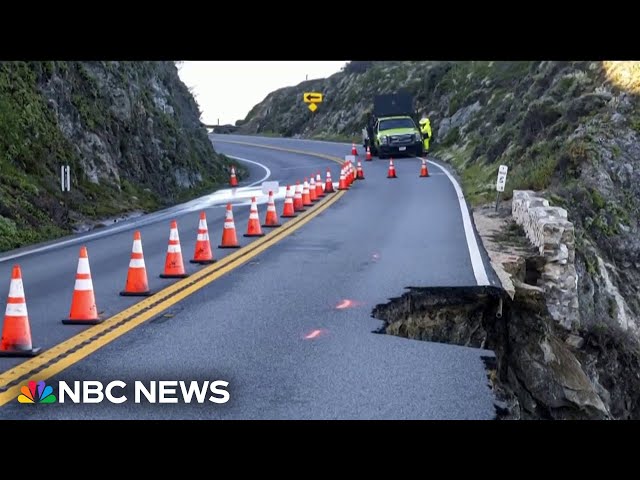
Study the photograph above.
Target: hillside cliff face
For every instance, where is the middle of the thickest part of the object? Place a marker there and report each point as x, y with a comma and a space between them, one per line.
569, 130
130, 132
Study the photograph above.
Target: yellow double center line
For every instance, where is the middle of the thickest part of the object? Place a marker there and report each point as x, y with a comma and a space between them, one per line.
61, 356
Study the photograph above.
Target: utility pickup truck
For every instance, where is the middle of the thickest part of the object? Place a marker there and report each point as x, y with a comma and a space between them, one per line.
391, 129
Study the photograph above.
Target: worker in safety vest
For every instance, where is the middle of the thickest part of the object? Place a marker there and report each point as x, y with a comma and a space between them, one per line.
425, 128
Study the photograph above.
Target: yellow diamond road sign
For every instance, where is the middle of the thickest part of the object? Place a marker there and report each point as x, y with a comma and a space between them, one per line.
313, 107
312, 97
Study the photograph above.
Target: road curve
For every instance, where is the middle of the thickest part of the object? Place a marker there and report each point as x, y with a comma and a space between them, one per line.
273, 328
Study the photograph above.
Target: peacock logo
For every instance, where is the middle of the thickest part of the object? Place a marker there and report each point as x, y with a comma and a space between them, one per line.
44, 393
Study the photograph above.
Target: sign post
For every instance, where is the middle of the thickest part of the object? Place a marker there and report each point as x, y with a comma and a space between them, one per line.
500, 183
65, 178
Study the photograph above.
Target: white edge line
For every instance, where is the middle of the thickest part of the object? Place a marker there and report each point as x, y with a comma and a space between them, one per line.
141, 221
479, 269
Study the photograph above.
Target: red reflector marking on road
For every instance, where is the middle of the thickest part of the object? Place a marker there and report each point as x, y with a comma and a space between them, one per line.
346, 303
313, 334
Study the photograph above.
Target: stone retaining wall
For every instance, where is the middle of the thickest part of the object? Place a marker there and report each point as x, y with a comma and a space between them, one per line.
548, 229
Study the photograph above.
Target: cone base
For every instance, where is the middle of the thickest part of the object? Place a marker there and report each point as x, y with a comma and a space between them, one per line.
135, 294
174, 275
21, 353
253, 235
345, 188
228, 246
300, 210
308, 204
275, 225
288, 216
424, 176
203, 262
68, 321
391, 177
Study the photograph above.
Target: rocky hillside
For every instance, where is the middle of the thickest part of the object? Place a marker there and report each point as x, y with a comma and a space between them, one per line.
130, 132
570, 129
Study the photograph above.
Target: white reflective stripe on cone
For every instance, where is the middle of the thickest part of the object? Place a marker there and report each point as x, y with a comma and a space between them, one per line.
83, 265
228, 225
16, 290
253, 216
84, 284
173, 235
137, 246
271, 208
136, 263
202, 225
174, 249
16, 310
202, 237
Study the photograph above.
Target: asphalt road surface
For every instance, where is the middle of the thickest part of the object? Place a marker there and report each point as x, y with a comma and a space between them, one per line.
272, 327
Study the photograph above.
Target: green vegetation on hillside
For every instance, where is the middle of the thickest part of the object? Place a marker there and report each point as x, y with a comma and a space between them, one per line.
129, 131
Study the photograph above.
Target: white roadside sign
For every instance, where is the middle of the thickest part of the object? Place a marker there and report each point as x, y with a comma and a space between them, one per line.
502, 178
270, 186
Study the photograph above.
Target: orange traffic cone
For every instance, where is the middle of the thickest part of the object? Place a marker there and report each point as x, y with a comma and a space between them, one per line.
424, 171
368, 158
173, 264
353, 149
306, 198
137, 283
352, 173
312, 190
16, 332
360, 175
343, 181
288, 210
253, 227
233, 181
319, 189
392, 169
271, 219
203, 254
229, 237
83, 303
298, 204
328, 186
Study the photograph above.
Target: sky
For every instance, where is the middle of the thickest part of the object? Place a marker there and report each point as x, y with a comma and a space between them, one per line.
227, 90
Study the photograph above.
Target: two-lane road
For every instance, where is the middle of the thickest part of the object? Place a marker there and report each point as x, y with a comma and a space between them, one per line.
272, 327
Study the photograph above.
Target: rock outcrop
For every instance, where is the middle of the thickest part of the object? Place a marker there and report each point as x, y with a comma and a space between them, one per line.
569, 131
130, 132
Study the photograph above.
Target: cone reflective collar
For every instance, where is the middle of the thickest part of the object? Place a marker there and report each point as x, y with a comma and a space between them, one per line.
137, 282
16, 331
83, 303
202, 254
